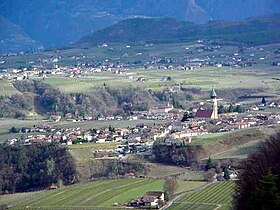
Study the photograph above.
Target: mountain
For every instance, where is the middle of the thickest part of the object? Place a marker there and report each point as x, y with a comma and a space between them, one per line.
259, 30
238, 9
13, 39
60, 22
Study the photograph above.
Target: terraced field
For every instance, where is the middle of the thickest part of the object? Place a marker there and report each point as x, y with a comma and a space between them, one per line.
217, 196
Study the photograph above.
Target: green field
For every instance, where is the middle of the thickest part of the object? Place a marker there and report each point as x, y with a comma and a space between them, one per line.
94, 195
83, 152
203, 78
217, 196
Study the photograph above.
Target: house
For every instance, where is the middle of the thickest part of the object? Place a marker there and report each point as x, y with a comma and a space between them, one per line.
53, 187
161, 109
130, 175
152, 199
242, 124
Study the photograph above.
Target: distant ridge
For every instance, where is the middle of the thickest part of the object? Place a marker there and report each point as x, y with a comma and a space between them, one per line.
14, 39
61, 22
259, 30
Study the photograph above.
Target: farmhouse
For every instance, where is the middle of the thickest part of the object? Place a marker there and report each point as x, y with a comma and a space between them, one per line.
152, 199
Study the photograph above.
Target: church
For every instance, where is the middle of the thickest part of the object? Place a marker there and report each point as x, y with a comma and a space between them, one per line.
209, 113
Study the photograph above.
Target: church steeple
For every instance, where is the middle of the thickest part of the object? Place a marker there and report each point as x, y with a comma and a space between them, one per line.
213, 93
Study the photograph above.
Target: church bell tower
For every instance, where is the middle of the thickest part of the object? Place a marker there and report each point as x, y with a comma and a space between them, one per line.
215, 104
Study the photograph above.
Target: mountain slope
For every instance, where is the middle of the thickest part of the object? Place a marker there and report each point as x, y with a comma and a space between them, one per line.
251, 31
13, 39
60, 22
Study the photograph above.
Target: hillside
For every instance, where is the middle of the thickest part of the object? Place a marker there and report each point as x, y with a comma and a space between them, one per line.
46, 100
13, 38
60, 22
251, 31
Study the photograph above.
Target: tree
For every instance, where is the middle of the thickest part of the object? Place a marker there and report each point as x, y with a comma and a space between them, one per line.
221, 109
50, 166
267, 195
209, 164
13, 130
186, 116
209, 175
170, 186
239, 109
258, 184
263, 101
226, 174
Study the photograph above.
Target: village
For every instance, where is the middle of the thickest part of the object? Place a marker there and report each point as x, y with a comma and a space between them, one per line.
202, 54
176, 126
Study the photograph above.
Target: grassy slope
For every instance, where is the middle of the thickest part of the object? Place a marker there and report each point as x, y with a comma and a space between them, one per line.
217, 195
99, 193
7, 88
236, 144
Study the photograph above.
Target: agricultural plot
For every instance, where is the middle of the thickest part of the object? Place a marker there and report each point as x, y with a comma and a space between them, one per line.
82, 153
95, 195
217, 196
202, 78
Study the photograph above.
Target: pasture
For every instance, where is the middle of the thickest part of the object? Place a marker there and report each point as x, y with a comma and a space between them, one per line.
93, 195
217, 196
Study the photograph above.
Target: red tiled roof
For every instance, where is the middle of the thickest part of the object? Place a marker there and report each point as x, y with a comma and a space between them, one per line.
204, 113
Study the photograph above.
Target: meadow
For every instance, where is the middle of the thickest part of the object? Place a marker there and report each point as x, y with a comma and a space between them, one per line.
217, 196
93, 195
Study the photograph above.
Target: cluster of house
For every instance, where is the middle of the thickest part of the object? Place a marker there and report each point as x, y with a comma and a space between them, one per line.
139, 139
151, 200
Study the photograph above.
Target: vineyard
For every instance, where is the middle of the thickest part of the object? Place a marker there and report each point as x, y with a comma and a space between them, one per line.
108, 194
217, 196
95, 194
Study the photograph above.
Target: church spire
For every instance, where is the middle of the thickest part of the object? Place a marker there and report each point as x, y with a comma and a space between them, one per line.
213, 93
